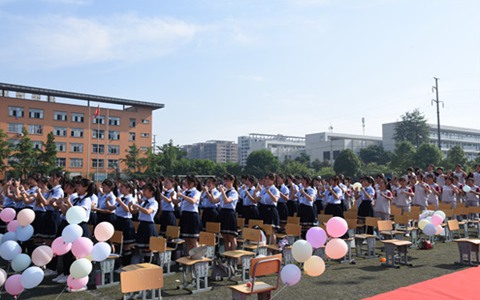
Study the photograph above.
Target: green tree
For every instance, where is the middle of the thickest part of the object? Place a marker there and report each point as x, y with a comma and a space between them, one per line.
169, 156
375, 154
347, 163
132, 160
25, 158
402, 157
261, 162
325, 172
455, 155
427, 154
303, 158
6, 149
48, 157
151, 164
413, 128
233, 168
372, 169
295, 167
317, 165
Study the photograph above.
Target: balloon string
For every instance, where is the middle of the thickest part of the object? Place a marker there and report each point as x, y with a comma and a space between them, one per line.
61, 292
276, 294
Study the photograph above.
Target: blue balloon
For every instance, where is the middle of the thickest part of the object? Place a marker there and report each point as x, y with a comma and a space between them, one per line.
32, 277
9, 236
24, 233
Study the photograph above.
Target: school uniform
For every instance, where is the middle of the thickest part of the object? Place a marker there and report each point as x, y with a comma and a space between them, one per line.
366, 209
382, 205
39, 221
476, 178
334, 206
239, 206
124, 222
167, 216
210, 210
227, 217
421, 195
250, 209
402, 200
432, 198
269, 211
318, 204
93, 214
190, 223
102, 204
282, 204
471, 199
306, 209
292, 204
460, 176
448, 196
146, 228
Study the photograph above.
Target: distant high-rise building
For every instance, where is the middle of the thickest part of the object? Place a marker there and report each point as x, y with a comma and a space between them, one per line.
282, 146
218, 151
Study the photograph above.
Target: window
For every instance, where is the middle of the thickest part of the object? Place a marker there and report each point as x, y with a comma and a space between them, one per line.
59, 116
98, 134
77, 117
113, 135
76, 147
60, 131
61, 162
144, 135
112, 163
133, 122
132, 136
76, 162
145, 121
144, 149
37, 145
113, 149
76, 132
99, 120
15, 127
16, 112
326, 155
97, 163
35, 129
61, 147
97, 148
35, 113
14, 142
114, 121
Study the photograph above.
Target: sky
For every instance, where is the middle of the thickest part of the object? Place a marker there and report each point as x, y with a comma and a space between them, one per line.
227, 68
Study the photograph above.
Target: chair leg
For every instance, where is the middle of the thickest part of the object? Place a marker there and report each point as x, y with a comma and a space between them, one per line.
237, 295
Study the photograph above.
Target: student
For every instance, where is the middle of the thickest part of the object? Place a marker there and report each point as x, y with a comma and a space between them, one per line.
282, 201
435, 189
40, 209
93, 211
168, 200
29, 196
460, 173
190, 223
382, 203
269, 196
123, 220
250, 209
292, 202
476, 175
319, 194
241, 195
210, 209
106, 203
421, 192
472, 197
404, 196
440, 177
366, 194
333, 195
449, 192
306, 210
146, 214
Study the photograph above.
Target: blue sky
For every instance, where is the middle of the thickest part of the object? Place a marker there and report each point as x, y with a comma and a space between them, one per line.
228, 68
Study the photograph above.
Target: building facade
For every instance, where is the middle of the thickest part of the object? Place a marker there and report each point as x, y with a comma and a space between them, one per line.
467, 138
218, 151
91, 139
282, 147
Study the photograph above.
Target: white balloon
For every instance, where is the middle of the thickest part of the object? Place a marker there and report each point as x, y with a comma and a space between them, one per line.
76, 215
290, 275
301, 250
3, 277
32, 277
80, 268
101, 251
71, 233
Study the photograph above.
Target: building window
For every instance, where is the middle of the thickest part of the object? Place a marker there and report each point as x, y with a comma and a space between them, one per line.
76, 147
61, 162
97, 148
133, 122
114, 121
76, 162
14, 142
60, 131
35, 113
145, 121
35, 129
113, 135
144, 135
144, 149
97, 163
112, 163
61, 147
99, 120
113, 149
132, 136
59, 116
77, 117
16, 112
98, 134
15, 127
76, 132
326, 155
37, 145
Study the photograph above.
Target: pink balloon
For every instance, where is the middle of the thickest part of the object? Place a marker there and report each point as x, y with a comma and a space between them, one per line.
317, 237
12, 226
439, 229
436, 220
59, 247
82, 247
336, 227
42, 255
336, 248
104, 231
13, 285
25, 217
8, 214
76, 283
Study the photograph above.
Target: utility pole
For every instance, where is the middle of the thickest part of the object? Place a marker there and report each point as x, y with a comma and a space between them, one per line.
435, 88
154, 144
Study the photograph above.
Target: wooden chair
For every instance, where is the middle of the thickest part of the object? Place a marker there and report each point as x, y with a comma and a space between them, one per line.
259, 267
141, 280
117, 240
350, 214
385, 228
240, 223
368, 238
443, 206
158, 247
173, 238
252, 238
323, 219
394, 210
208, 239
402, 223
213, 227
252, 223
453, 227
293, 220
415, 211
431, 207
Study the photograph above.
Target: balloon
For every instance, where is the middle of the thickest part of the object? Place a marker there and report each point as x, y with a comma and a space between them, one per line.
422, 223
429, 229
24, 233
59, 247
76, 215
336, 248
314, 266
290, 275
71, 233
437, 220
32, 277
8, 214
101, 251
12, 226
76, 283
301, 250
25, 217
21, 262
467, 189
9, 236
383, 259
42, 255
104, 231
82, 247
3, 276
336, 227
441, 213
80, 268
10, 249
356, 185
439, 229
317, 237
13, 285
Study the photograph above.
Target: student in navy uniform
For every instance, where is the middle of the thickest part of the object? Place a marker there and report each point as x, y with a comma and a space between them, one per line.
241, 195
319, 194
123, 222
106, 203
306, 209
366, 196
269, 196
333, 194
292, 203
146, 214
210, 209
190, 223
93, 211
29, 196
168, 200
40, 209
250, 208
282, 201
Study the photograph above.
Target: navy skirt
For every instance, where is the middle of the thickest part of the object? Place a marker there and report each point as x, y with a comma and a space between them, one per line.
251, 212
110, 218
292, 207
319, 206
228, 221
239, 207
167, 218
270, 216
365, 209
125, 225
190, 224
334, 209
282, 212
144, 232
39, 223
50, 229
210, 214
307, 216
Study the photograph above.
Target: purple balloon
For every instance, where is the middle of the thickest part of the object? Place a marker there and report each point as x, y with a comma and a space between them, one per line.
317, 237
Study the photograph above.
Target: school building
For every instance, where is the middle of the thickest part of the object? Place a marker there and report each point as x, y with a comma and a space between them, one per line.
217, 151
92, 133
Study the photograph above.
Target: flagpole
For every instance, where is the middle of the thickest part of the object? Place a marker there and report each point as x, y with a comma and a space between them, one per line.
89, 139
98, 145
106, 150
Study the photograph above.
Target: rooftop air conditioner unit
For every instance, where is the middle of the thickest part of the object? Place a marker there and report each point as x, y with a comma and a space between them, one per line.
36, 97
20, 95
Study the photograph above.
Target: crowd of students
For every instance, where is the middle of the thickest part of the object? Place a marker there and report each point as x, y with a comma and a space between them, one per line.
160, 202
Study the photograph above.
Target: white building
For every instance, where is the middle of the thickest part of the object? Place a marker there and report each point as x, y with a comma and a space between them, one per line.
467, 138
326, 145
218, 151
283, 147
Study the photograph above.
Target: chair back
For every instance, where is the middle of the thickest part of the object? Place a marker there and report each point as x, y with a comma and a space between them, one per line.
401, 220
293, 229
240, 223
264, 266
352, 223
384, 225
207, 238
453, 225
322, 218
173, 232
117, 239
213, 227
350, 214
371, 222
293, 220
253, 222
141, 280
250, 234
158, 244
